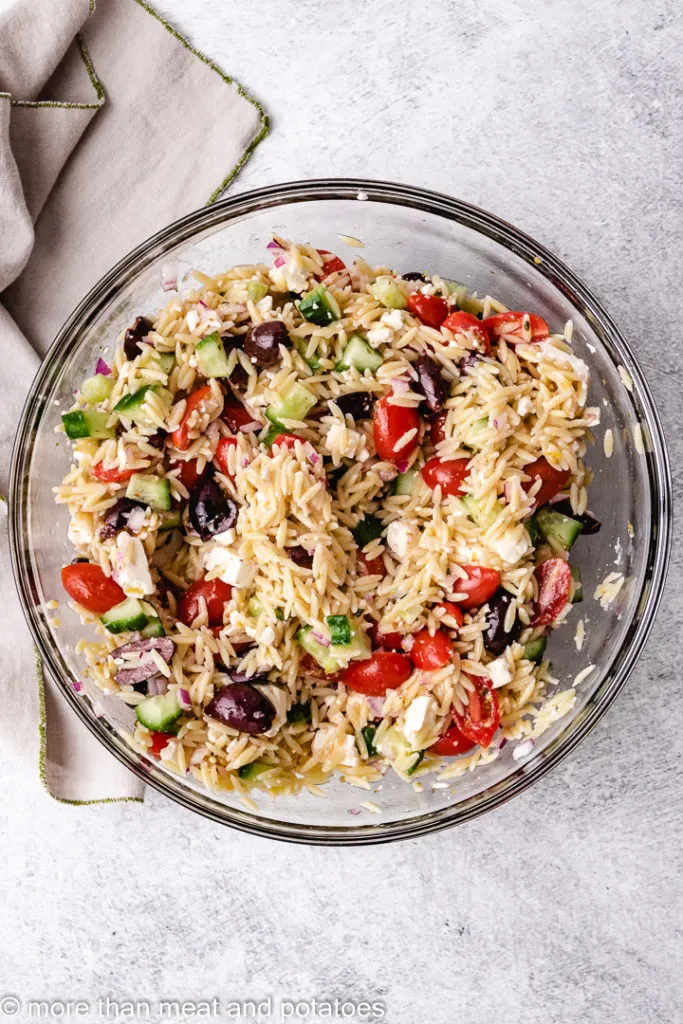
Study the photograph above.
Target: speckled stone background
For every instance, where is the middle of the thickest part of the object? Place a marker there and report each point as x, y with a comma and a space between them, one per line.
564, 907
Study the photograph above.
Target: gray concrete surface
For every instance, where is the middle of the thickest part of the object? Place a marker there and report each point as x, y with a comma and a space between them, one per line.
563, 907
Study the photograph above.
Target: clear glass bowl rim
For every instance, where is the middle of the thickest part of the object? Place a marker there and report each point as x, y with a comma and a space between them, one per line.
509, 237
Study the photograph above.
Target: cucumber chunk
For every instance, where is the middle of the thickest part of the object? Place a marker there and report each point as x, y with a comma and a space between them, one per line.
87, 423
340, 630
533, 651
577, 584
387, 291
366, 530
96, 389
301, 345
253, 770
405, 482
403, 759
479, 512
323, 655
132, 406
154, 627
295, 404
126, 617
473, 437
171, 520
154, 491
165, 361
558, 528
533, 531
369, 737
211, 358
299, 713
319, 307
464, 299
256, 290
359, 355
255, 608
159, 713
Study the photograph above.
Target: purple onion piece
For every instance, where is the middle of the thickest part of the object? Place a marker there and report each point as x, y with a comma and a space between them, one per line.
103, 368
243, 677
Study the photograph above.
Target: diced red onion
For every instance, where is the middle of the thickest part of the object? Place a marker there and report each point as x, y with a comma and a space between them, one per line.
202, 303
376, 705
77, 685
279, 261
387, 473
400, 386
102, 367
274, 245
319, 638
402, 466
136, 519
354, 810
169, 277
245, 462
184, 699
311, 454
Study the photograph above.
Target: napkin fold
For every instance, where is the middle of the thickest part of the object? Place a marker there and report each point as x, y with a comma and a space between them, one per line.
111, 126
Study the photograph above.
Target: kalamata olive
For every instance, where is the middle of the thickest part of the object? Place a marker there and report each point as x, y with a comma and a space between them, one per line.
242, 707
587, 519
147, 667
300, 556
262, 342
239, 377
413, 275
134, 336
244, 677
211, 511
158, 439
357, 403
468, 361
431, 383
116, 518
495, 636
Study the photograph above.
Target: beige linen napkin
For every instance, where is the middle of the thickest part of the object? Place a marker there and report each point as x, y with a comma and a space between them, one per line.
111, 126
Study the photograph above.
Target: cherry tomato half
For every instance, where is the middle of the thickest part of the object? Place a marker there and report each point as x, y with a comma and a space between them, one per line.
554, 586
390, 423
235, 414
431, 652
516, 326
387, 641
451, 742
437, 429
332, 265
371, 566
112, 476
288, 440
480, 585
553, 480
382, 671
481, 717
160, 741
87, 584
446, 474
216, 593
222, 456
430, 309
467, 324
180, 438
453, 611
188, 473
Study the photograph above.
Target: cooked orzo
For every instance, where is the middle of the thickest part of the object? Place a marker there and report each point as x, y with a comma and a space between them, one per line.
323, 517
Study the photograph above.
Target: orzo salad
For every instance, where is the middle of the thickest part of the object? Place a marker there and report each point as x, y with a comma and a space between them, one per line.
323, 517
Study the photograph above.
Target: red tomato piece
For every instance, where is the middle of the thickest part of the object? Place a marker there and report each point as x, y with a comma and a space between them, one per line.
371, 566
467, 324
431, 652
451, 742
446, 474
553, 480
235, 414
516, 326
387, 641
437, 429
554, 586
112, 476
453, 610
222, 454
480, 585
160, 741
288, 440
390, 423
188, 472
332, 265
216, 593
481, 717
180, 438
382, 671
87, 584
430, 309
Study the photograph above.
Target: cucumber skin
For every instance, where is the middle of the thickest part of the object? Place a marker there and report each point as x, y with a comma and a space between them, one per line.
151, 490
317, 651
211, 357
405, 482
317, 308
135, 617
359, 354
82, 423
295, 404
254, 769
534, 650
389, 294
159, 713
96, 389
555, 526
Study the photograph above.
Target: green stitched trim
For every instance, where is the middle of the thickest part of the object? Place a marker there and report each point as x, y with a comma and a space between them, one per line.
42, 757
55, 104
264, 119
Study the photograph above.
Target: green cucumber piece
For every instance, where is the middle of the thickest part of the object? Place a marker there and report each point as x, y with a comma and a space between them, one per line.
319, 307
358, 645
159, 713
464, 299
369, 528
534, 650
558, 528
253, 770
154, 491
405, 482
533, 530
255, 608
274, 430
295, 404
544, 552
87, 423
473, 437
257, 290
369, 737
387, 291
211, 358
126, 617
323, 655
359, 355
301, 345
96, 389
132, 405
577, 590
403, 759
340, 630
172, 520
154, 627
299, 713
478, 513
165, 361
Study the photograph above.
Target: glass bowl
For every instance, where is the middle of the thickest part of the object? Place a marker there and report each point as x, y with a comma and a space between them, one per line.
408, 229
